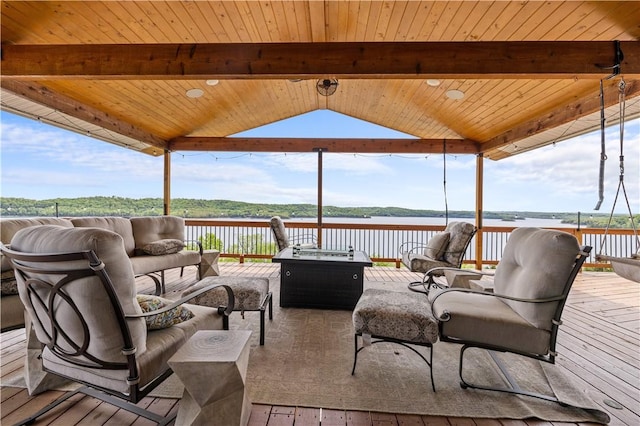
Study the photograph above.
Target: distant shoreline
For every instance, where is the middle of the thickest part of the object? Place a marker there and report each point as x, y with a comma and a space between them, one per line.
227, 209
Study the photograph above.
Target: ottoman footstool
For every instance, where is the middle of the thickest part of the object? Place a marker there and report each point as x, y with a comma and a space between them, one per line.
396, 317
251, 294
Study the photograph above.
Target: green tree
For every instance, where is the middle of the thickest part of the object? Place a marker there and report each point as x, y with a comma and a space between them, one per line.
211, 242
254, 244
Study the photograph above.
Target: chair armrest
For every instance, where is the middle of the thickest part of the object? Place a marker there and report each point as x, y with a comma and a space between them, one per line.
227, 311
434, 271
303, 237
410, 247
446, 316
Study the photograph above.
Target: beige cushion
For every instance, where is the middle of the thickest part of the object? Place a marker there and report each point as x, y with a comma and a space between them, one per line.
93, 303
9, 227
161, 345
119, 225
437, 245
148, 229
486, 319
146, 263
536, 264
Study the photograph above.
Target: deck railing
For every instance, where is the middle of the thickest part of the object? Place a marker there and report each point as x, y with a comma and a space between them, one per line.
246, 239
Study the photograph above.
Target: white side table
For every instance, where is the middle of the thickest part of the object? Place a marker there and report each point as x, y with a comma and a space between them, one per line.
209, 264
461, 277
212, 365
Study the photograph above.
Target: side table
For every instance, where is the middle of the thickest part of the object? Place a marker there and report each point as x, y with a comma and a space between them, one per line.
461, 277
209, 264
212, 365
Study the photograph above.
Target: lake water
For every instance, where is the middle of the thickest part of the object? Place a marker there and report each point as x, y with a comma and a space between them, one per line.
385, 220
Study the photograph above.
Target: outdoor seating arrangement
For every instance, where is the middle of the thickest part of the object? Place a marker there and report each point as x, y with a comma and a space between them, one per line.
283, 240
522, 315
79, 290
445, 249
153, 243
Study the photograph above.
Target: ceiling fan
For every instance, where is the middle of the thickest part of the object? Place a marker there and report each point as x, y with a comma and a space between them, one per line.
327, 86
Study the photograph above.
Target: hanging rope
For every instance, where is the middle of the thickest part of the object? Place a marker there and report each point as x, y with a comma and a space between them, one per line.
603, 155
444, 182
615, 70
621, 100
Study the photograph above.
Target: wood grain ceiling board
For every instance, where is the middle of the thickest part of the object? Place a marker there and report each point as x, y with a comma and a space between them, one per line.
490, 107
289, 21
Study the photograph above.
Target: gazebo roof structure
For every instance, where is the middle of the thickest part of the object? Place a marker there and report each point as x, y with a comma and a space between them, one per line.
471, 77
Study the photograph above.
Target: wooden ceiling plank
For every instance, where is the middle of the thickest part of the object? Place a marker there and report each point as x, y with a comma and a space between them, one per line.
517, 20
372, 20
461, 23
270, 31
625, 19
444, 20
18, 21
245, 11
337, 20
561, 115
411, 13
384, 17
419, 20
607, 27
196, 23
398, 20
283, 21
39, 94
318, 17
118, 20
290, 60
519, 99
550, 19
352, 22
502, 17
531, 14
588, 16
302, 21
335, 145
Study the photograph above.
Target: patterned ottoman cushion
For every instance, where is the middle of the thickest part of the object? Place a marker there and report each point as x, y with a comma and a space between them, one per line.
249, 292
396, 315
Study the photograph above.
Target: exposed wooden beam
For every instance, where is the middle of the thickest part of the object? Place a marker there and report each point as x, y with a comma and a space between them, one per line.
494, 59
42, 95
352, 145
561, 115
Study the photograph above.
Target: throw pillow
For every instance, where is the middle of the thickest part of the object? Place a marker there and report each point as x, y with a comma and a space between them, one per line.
437, 245
150, 303
160, 247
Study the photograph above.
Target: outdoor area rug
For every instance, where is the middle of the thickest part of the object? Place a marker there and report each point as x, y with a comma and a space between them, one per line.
308, 355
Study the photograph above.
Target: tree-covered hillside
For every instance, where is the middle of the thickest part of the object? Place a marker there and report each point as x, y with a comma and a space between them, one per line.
193, 208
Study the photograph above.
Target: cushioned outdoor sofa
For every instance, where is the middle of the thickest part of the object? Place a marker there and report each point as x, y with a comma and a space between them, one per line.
152, 243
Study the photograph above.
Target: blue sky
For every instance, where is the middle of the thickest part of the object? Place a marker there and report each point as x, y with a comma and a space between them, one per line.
42, 162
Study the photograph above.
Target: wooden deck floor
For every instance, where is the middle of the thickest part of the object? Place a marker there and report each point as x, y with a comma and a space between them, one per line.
599, 345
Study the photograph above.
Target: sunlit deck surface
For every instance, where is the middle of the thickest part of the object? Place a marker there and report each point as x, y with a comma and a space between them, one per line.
598, 345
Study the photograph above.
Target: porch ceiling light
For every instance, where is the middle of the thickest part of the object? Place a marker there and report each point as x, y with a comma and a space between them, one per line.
194, 93
433, 82
455, 94
212, 82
